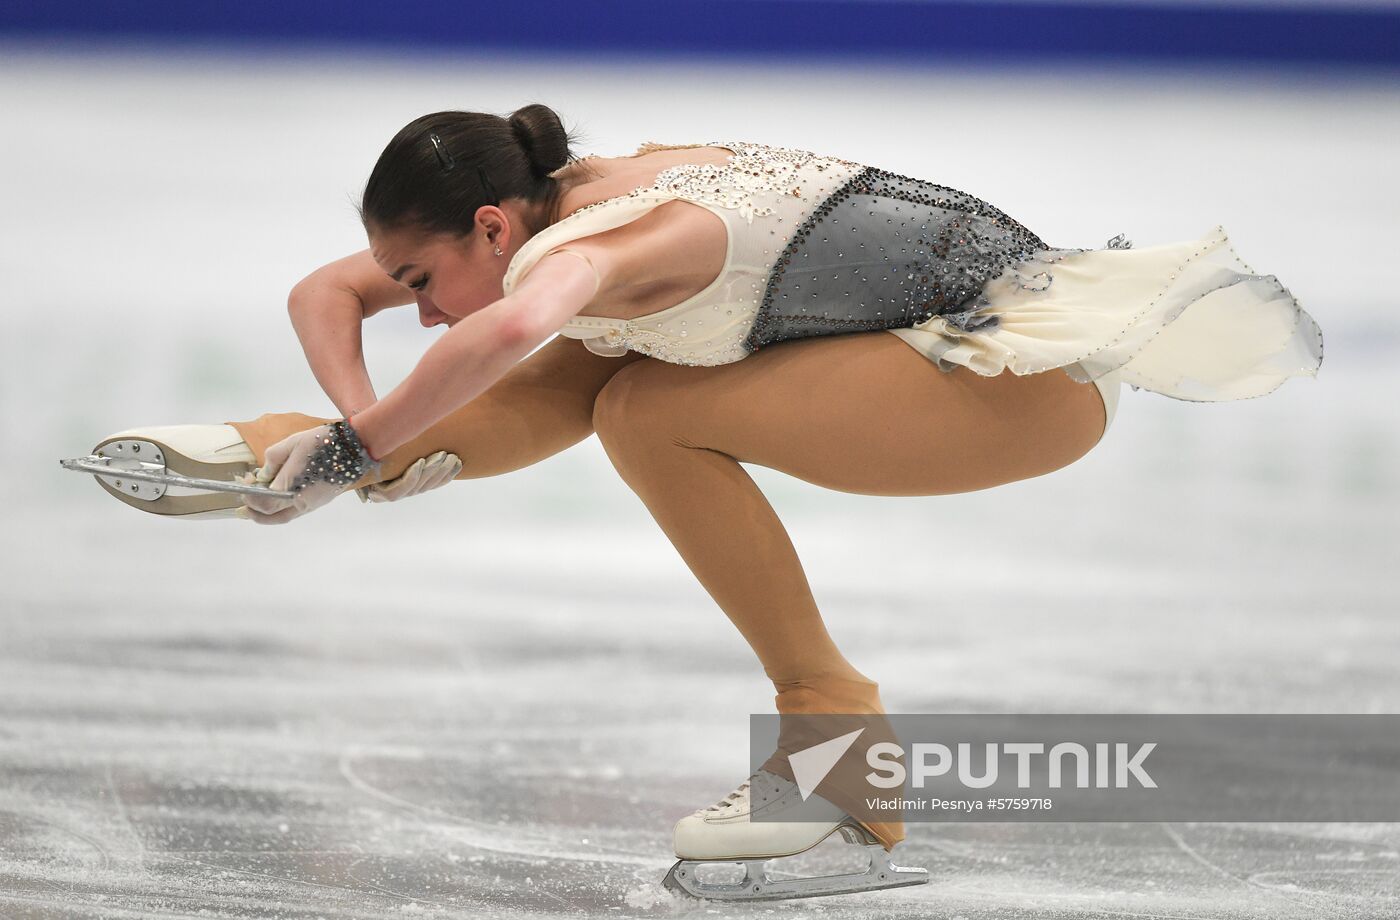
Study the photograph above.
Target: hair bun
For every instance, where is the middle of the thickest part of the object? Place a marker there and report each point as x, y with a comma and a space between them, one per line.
541, 135
522, 135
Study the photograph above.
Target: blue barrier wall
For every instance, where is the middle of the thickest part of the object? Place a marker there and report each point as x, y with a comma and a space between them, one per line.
1337, 34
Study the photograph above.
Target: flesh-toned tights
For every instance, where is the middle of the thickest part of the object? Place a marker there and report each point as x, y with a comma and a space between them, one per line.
862, 413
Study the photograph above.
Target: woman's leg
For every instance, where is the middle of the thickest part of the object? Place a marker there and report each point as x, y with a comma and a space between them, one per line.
861, 413
540, 407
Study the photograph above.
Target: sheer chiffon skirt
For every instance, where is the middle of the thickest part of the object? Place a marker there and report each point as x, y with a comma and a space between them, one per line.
1189, 320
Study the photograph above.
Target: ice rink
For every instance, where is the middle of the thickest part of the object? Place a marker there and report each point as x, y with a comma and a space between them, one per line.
496, 700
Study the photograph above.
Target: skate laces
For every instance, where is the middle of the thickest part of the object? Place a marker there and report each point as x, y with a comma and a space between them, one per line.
734, 797
746, 789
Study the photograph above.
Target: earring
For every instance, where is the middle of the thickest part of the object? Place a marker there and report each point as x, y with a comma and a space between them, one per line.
498, 251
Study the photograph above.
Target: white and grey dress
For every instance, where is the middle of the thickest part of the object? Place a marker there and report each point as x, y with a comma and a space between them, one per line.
819, 245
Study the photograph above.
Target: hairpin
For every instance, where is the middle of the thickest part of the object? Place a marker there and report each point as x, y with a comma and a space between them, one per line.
486, 184
443, 156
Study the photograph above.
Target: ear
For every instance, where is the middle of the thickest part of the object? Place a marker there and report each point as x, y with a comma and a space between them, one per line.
494, 225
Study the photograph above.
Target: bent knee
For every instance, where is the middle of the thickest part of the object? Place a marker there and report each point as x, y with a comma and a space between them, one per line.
636, 398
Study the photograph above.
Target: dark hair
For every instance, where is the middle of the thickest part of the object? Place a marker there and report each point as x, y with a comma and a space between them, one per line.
440, 168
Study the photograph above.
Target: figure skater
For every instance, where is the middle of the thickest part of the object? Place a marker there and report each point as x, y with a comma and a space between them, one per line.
700, 306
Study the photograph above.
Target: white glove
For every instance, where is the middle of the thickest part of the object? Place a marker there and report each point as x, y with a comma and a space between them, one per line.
318, 464
423, 475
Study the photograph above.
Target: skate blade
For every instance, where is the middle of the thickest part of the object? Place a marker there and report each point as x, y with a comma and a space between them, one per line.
148, 475
757, 885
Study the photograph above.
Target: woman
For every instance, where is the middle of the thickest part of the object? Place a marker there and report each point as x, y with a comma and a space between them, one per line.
699, 306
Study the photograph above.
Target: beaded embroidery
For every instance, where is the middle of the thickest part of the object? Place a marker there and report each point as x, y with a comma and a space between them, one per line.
752, 170
920, 249
774, 185
887, 252
824, 246
340, 459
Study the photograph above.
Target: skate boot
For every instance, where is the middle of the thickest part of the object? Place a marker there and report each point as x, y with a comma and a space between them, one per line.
724, 834
145, 467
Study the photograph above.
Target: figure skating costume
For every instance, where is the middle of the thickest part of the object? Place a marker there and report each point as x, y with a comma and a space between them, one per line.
824, 246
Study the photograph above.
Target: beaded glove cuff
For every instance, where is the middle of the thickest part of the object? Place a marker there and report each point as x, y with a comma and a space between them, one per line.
340, 460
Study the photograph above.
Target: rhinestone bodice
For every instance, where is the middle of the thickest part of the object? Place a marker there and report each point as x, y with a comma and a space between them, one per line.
817, 245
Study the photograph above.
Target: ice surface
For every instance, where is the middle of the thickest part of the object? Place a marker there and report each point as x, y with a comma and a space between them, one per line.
496, 701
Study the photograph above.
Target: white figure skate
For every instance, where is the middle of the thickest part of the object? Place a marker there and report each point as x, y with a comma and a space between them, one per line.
183, 471
724, 833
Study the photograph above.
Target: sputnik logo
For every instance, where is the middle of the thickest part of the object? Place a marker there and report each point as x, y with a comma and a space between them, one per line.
811, 765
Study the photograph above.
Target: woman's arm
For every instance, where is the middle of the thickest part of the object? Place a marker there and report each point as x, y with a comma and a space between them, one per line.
478, 351
327, 309
542, 406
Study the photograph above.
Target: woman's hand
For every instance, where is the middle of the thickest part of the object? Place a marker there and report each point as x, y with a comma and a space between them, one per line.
318, 464
423, 475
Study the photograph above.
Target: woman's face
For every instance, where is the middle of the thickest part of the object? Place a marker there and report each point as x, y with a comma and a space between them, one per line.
451, 277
